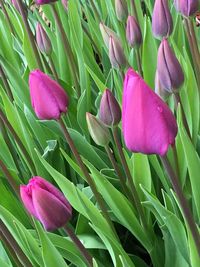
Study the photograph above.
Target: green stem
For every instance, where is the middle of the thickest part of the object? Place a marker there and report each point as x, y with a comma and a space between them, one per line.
89, 180
68, 49
6, 84
79, 245
95, 11
139, 63
18, 141
134, 193
183, 202
22, 256
30, 34
53, 69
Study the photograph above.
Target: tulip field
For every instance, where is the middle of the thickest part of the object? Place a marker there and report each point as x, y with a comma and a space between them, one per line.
100, 133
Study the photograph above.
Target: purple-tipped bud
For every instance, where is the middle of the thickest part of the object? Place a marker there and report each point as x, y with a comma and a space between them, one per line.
187, 7
169, 69
46, 203
121, 9
159, 90
43, 40
48, 98
106, 32
162, 23
98, 131
65, 4
110, 111
44, 2
133, 32
116, 53
148, 124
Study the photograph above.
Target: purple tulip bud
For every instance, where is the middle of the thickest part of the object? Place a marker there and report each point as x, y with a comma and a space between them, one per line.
169, 69
159, 90
48, 98
187, 7
43, 40
116, 53
148, 124
162, 23
65, 4
110, 111
106, 33
44, 2
133, 32
46, 203
121, 9
99, 133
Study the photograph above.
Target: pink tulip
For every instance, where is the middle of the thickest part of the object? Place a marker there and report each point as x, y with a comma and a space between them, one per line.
46, 203
48, 98
148, 124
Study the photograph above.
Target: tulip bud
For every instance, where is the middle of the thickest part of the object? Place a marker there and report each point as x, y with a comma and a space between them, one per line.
65, 4
106, 33
46, 203
148, 124
159, 90
99, 133
187, 7
133, 32
44, 2
43, 40
169, 69
48, 98
116, 53
110, 111
121, 9
162, 23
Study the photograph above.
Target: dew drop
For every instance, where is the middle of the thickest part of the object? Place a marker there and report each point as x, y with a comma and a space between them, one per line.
159, 109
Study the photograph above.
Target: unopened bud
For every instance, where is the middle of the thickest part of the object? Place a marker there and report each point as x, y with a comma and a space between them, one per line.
133, 32
116, 53
187, 7
106, 32
43, 40
159, 90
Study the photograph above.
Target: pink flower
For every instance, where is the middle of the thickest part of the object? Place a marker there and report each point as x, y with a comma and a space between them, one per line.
48, 98
148, 124
46, 203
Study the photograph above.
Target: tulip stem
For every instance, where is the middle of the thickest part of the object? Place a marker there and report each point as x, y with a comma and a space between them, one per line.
117, 170
18, 141
183, 202
139, 63
89, 180
30, 34
68, 49
53, 69
95, 10
178, 101
6, 84
134, 10
22, 256
129, 177
7, 17
79, 245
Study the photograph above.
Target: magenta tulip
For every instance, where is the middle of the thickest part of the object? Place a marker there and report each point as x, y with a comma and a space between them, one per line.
148, 124
48, 98
46, 203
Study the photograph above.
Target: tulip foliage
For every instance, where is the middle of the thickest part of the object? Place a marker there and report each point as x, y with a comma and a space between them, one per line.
100, 133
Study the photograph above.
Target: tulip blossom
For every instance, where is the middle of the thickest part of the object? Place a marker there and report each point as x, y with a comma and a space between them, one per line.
46, 203
162, 23
48, 98
110, 111
148, 124
187, 7
133, 32
43, 40
169, 69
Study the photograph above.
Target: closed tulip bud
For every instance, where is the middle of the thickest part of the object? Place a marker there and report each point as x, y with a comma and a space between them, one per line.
110, 111
65, 4
133, 32
162, 23
43, 40
48, 98
121, 9
164, 94
44, 2
99, 133
187, 7
148, 124
106, 32
46, 203
169, 69
116, 53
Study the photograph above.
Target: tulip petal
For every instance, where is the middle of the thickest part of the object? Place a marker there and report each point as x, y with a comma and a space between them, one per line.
26, 197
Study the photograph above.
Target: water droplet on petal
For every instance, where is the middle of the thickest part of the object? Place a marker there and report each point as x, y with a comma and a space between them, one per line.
159, 109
